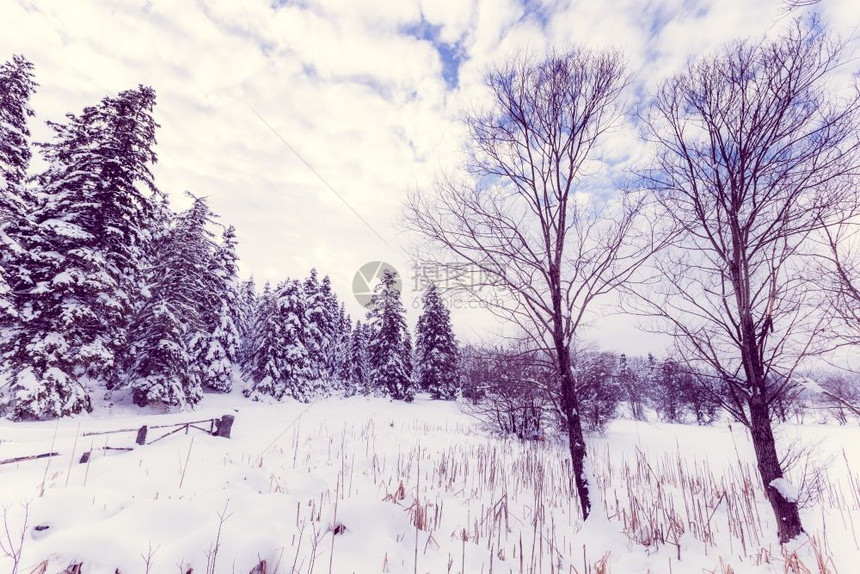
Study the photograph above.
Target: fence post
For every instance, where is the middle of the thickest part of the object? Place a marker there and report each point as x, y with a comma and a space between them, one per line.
223, 426
141, 435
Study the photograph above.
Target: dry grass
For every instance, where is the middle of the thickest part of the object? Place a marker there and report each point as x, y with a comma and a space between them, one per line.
492, 505
525, 517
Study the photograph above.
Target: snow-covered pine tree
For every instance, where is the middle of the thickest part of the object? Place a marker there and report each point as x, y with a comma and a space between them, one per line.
597, 386
166, 335
330, 329
297, 373
280, 364
17, 85
111, 169
262, 367
246, 311
159, 226
407, 358
342, 352
668, 393
633, 388
8, 311
220, 340
360, 370
84, 246
315, 325
207, 273
321, 334
390, 349
436, 353
161, 370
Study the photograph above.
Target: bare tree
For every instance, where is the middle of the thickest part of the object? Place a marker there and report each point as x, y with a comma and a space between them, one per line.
838, 276
543, 246
512, 390
789, 6
753, 158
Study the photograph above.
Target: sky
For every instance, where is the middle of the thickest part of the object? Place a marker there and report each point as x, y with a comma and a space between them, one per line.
305, 123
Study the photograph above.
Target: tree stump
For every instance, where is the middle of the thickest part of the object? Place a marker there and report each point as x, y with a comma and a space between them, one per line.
223, 426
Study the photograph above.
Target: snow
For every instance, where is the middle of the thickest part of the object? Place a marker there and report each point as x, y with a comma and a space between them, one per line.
63, 278
291, 471
66, 229
788, 491
810, 385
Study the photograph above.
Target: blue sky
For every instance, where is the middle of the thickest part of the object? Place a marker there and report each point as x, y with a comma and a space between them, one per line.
451, 54
370, 94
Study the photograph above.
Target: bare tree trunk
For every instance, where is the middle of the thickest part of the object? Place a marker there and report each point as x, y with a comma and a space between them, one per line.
570, 407
569, 399
786, 512
545, 246
760, 424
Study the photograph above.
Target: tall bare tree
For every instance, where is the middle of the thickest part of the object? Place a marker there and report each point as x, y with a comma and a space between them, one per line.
838, 276
541, 246
754, 157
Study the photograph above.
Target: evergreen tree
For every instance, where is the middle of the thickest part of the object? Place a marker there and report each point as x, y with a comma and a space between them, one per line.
222, 338
390, 350
165, 359
162, 368
280, 364
630, 382
210, 285
297, 372
159, 228
360, 370
669, 391
17, 85
263, 360
247, 301
598, 387
330, 329
407, 358
342, 352
314, 324
436, 351
83, 246
322, 332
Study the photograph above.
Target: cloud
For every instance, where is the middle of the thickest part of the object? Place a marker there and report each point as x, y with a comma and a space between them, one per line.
368, 93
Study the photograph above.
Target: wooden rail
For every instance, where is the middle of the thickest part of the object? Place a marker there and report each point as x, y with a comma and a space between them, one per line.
26, 458
216, 427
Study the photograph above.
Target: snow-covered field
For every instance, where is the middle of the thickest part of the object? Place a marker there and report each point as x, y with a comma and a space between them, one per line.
407, 488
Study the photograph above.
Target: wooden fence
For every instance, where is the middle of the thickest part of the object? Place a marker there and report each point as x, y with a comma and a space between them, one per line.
221, 426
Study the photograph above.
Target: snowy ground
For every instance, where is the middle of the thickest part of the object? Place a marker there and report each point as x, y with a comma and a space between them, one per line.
410, 483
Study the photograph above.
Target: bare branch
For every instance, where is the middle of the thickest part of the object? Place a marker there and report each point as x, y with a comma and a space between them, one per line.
755, 159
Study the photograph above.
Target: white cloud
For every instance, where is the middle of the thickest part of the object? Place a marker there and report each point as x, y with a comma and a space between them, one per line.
455, 18
362, 100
